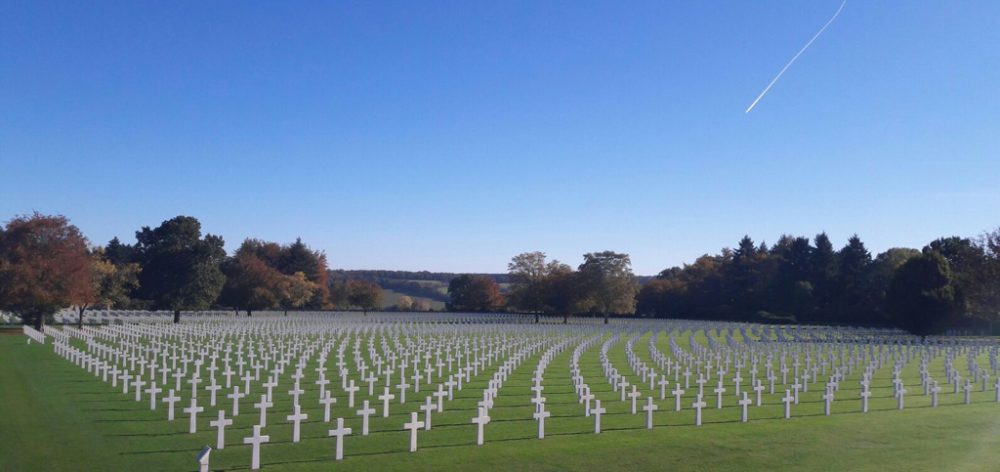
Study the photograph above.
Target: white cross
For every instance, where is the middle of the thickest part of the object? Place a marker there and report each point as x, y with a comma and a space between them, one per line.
440, 394
365, 412
540, 415
295, 392
663, 387
256, 440
221, 423
597, 412
213, 388
170, 399
828, 396
481, 420
269, 385
386, 397
788, 399
326, 401
152, 391
698, 405
138, 383
235, 397
402, 386
622, 384
587, 397
634, 395
427, 408
718, 395
340, 432
350, 393
296, 419
193, 410
759, 388
414, 425
649, 409
744, 402
677, 392
263, 406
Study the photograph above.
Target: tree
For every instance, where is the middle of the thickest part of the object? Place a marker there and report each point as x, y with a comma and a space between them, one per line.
563, 290
118, 253
791, 292
528, 272
364, 294
44, 266
921, 297
250, 283
112, 283
339, 291
854, 304
474, 293
421, 304
745, 281
298, 257
970, 274
180, 269
405, 303
823, 275
609, 283
296, 291
884, 269
986, 298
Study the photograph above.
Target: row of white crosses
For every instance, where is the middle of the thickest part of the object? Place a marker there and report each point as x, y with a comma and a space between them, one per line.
235, 360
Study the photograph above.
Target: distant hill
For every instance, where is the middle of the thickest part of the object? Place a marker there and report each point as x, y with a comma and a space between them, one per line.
430, 286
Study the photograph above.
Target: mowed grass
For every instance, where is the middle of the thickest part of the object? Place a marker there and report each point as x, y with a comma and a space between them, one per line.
56, 416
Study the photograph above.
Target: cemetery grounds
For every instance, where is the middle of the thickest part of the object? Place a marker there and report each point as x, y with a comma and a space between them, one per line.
58, 413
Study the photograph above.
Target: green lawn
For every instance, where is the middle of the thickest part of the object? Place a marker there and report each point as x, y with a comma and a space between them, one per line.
55, 416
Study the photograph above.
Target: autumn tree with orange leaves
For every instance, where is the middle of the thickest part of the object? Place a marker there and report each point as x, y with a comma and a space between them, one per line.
44, 266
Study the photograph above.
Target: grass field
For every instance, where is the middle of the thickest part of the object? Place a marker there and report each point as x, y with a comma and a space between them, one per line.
57, 417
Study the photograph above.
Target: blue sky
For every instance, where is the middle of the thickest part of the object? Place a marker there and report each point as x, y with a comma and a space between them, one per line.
452, 135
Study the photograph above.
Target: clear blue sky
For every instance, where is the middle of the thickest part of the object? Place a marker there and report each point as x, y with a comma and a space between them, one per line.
452, 135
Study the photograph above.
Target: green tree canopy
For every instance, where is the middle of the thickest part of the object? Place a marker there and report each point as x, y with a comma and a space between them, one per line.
180, 269
608, 283
921, 296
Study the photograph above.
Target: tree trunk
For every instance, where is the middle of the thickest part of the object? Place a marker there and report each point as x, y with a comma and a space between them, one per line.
177, 316
566, 318
605, 318
79, 324
536, 318
249, 314
286, 312
38, 320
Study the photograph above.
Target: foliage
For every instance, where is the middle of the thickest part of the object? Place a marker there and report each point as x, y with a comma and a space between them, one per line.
112, 283
44, 266
922, 297
608, 284
180, 269
364, 295
474, 293
405, 303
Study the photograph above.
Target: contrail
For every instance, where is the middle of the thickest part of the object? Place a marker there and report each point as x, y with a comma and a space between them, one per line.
796, 56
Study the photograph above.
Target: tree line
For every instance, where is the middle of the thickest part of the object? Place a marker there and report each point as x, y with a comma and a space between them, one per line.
952, 283
47, 264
